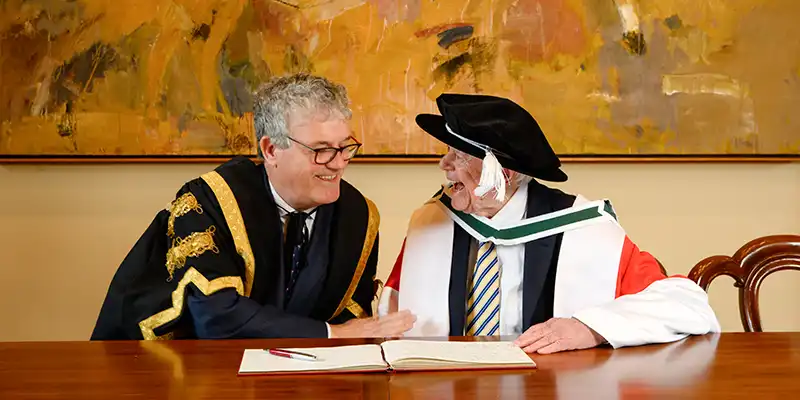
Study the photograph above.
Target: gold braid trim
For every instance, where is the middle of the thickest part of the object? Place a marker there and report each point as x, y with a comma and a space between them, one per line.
193, 245
233, 217
356, 309
180, 207
194, 277
373, 222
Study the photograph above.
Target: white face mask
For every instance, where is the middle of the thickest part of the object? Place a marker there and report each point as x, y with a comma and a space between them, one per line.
463, 173
492, 174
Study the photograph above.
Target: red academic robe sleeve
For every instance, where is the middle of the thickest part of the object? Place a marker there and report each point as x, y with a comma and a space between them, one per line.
637, 270
649, 306
394, 277
389, 296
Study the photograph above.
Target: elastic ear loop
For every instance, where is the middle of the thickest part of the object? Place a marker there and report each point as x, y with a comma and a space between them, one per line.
492, 174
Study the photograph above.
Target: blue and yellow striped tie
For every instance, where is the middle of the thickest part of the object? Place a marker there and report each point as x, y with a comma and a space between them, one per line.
483, 301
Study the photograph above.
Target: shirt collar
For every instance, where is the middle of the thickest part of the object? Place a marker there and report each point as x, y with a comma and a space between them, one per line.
514, 210
283, 207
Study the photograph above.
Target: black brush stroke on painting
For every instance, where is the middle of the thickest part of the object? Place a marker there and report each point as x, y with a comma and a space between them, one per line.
453, 35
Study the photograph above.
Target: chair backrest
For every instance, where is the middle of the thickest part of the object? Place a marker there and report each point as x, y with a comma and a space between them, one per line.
377, 289
663, 270
748, 267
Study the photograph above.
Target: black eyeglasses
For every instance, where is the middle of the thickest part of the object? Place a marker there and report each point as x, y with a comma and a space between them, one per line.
325, 155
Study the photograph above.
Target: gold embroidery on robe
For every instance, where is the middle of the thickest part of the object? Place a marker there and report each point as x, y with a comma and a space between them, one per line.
180, 207
373, 223
233, 217
193, 245
356, 309
194, 277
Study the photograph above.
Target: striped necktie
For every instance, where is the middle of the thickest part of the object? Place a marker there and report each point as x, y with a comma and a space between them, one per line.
483, 302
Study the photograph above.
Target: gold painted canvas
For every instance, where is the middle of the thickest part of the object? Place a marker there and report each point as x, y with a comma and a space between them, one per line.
603, 77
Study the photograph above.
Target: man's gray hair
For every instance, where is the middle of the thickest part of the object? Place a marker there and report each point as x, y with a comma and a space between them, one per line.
282, 98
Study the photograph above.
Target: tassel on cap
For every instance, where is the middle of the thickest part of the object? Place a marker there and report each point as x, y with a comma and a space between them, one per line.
492, 176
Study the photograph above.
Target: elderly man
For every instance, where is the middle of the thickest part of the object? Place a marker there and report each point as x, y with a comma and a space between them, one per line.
497, 253
283, 249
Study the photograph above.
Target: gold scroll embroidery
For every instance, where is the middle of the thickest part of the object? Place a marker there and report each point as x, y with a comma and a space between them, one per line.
194, 277
193, 245
233, 217
180, 207
373, 222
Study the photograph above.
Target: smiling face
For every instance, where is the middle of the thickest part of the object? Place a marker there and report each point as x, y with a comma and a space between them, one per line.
292, 171
464, 173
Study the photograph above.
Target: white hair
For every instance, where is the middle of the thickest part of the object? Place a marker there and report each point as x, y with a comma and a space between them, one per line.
281, 98
521, 179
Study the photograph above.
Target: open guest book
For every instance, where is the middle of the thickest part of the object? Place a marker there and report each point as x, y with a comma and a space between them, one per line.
393, 355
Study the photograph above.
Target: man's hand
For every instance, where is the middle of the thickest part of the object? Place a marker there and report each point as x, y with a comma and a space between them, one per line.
391, 325
558, 334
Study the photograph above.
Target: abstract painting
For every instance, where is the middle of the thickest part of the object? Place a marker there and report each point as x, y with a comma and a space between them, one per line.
608, 78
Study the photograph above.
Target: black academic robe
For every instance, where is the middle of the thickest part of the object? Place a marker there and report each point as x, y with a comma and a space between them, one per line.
211, 265
540, 263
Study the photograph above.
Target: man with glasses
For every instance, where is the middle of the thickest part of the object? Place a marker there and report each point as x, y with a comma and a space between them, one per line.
280, 248
498, 253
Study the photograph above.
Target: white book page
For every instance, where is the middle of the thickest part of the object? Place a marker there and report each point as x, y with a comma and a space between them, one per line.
367, 356
421, 352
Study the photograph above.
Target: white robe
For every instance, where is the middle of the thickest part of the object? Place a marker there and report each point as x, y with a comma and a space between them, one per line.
588, 277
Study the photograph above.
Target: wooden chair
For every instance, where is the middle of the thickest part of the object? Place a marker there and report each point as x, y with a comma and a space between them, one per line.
748, 267
663, 270
377, 288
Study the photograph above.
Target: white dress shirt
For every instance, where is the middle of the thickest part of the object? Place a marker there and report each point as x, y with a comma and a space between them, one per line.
283, 210
512, 265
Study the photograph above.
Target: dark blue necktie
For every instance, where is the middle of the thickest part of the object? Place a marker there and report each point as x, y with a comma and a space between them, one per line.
294, 250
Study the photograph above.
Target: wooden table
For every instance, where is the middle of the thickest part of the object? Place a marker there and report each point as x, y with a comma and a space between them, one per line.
747, 365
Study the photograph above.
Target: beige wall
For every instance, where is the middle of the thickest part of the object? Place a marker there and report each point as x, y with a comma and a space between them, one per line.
65, 228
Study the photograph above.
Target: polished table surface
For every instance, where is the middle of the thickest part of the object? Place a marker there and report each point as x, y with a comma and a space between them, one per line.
729, 365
